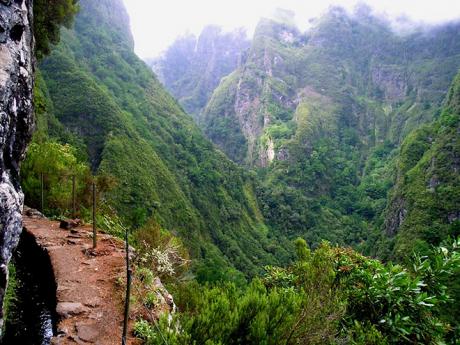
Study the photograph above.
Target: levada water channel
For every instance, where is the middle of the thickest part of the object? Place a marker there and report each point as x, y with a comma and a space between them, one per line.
31, 314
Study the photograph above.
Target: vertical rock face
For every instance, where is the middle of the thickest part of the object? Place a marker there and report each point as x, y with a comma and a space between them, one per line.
16, 122
192, 67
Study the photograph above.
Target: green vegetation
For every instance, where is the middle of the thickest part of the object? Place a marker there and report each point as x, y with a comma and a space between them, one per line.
59, 165
49, 16
10, 294
98, 105
335, 104
365, 156
423, 210
328, 296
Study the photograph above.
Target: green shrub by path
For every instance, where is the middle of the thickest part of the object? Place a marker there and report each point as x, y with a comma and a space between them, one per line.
57, 164
330, 295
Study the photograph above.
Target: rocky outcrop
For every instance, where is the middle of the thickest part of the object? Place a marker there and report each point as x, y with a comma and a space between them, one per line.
192, 67
396, 215
391, 81
16, 121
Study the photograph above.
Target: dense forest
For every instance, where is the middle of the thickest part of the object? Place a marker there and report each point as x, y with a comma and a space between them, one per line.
323, 117
292, 188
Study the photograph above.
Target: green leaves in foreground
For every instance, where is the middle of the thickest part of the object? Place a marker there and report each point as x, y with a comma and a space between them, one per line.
329, 296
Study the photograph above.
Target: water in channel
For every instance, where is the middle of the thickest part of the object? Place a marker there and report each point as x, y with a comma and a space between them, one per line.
31, 318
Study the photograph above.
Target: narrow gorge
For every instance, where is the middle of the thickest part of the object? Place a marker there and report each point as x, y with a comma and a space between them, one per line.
298, 184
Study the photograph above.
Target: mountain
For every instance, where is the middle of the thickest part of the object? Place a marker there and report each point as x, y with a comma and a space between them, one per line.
373, 80
424, 208
192, 67
95, 94
321, 116
348, 132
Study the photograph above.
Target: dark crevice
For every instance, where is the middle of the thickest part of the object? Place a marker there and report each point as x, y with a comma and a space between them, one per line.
3, 35
32, 317
16, 32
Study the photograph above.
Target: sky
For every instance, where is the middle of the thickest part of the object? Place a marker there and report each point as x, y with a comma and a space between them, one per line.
157, 23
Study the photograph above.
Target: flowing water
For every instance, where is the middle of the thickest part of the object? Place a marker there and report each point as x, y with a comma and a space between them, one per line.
32, 317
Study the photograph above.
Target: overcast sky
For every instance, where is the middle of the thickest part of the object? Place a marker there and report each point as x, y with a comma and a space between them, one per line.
156, 23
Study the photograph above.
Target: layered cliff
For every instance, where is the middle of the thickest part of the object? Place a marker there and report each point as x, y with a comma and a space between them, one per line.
16, 122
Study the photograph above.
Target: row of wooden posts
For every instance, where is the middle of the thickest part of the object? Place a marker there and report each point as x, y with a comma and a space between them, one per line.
94, 207
74, 203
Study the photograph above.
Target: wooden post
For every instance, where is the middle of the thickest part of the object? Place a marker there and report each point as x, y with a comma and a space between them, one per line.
94, 216
128, 290
74, 204
42, 193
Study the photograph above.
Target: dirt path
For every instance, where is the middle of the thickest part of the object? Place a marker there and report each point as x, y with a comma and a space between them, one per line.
90, 285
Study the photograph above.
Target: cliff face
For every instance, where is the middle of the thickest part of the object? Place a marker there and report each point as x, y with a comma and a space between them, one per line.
193, 66
16, 121
424, 208
381, 85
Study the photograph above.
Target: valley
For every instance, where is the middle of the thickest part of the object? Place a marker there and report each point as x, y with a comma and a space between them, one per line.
294, 186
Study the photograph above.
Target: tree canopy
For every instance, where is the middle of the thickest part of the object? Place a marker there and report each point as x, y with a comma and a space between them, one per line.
49, 16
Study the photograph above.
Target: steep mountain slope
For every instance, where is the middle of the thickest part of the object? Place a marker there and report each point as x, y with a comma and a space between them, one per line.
425, 201
193, 66
321, 116
378, 84
106, 101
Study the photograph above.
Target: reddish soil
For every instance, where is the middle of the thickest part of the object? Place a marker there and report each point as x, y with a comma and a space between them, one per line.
90, 284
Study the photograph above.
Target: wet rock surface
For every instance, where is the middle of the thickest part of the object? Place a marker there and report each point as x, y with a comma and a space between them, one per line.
16, 122
67, 309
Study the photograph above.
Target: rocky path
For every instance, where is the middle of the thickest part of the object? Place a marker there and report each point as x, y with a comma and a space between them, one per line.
90, 284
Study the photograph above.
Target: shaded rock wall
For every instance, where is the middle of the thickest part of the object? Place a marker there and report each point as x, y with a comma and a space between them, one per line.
16, 122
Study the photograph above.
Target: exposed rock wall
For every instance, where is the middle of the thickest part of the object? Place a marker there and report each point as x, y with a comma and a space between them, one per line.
192, 67
16, 122
380, 85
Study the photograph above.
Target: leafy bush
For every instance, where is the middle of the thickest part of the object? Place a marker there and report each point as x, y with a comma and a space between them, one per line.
49, 15
328, 296
58, 164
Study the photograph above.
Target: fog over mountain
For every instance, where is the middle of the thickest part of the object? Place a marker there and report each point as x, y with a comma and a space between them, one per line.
177, 17
285, 176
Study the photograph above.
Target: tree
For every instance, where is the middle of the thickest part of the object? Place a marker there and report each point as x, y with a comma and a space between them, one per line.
58, 163
49, 16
